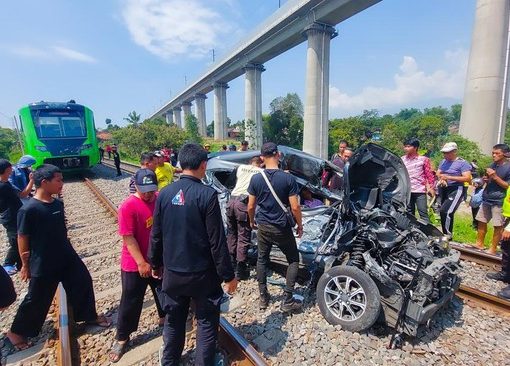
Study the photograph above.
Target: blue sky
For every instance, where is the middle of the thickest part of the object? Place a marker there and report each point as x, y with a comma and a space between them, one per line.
122, 55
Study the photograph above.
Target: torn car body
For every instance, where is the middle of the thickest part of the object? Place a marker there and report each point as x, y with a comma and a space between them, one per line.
368, 258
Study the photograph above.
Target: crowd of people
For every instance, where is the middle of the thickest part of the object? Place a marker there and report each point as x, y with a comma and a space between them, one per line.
174, 239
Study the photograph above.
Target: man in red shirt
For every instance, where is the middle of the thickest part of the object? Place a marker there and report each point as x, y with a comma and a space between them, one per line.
135, 224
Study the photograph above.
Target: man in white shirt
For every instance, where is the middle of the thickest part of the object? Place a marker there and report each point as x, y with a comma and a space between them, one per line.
238, 223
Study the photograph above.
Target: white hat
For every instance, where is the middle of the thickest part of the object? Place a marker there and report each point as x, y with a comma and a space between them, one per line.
449, 146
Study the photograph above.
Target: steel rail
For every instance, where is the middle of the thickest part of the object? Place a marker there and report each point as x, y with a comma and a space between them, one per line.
64, 350
484, 299
477, 256
242, 352
125, 166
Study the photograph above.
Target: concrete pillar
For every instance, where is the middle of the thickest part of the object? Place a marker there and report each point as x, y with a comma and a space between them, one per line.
220, 110
200, 111
253, 105
485, 98
177, 117
186, 107
169, 117
316, 119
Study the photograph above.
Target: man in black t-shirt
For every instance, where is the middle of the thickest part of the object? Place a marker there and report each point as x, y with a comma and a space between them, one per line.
273, 223
47, 259
116, 160
497, 177
10, 203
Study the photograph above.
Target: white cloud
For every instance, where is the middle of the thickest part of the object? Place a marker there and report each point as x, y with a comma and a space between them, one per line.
53, 52
73, 54
170, 28
411, 85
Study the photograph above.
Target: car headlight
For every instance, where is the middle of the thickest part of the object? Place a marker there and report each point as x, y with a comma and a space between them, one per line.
306, 247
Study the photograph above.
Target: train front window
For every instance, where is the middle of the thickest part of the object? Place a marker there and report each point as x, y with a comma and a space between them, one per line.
50, 124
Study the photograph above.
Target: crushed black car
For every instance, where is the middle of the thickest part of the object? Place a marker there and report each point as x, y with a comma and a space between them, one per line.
367, 257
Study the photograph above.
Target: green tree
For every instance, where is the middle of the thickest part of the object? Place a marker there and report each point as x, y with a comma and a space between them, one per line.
284, 125
191, 127
210, 129
133, 118
8, 142
290, 104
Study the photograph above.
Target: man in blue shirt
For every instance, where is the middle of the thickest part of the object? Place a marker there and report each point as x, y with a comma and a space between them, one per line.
20, 177
274, 224
453, 172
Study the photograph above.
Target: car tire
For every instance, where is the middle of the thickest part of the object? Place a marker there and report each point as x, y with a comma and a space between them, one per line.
347, 296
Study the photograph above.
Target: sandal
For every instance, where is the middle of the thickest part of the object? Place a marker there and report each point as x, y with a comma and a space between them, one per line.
101, 321
8, 348
117, 351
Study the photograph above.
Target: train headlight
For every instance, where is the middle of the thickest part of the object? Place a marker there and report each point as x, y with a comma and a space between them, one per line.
85, 147
41, 148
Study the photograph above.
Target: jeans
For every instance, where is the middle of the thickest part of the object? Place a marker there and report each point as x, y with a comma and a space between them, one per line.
283, 238
419, 201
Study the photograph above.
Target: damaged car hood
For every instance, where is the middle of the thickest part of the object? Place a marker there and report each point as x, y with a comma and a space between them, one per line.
374, 173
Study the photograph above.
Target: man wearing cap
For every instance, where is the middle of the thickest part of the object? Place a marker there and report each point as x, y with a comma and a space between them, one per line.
453, 172
497, 177
164, 171
135, 224
244, 145
421, 177
274, 224
189, 249
147, 161
20, 177
207, 148
10, 204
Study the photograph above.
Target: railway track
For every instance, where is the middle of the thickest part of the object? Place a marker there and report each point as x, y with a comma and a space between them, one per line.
129, 168
238, 350
474, 295
469, 293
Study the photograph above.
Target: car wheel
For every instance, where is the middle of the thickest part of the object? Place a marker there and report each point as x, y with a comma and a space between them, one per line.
347, 296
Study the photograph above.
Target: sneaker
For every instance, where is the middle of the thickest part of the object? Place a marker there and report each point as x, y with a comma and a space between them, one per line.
498, 276
505, 293
11, 270
291, 305
264, 300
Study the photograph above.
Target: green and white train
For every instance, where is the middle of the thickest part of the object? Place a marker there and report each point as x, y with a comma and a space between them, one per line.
62, 134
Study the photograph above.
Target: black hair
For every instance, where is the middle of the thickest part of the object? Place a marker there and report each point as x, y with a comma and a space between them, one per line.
191, 156
343, 142
503, 147
4, 165
146, 157
45, 172
412, 142
256, 159
244, 142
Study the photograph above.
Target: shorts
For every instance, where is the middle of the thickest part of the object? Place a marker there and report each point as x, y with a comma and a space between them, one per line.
488, 212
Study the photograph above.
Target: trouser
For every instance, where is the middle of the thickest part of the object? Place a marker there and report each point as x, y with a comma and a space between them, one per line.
80, 294
7, 292
12, 257
238, 229
131, 302
474, 212
117, 166
204, 289
419, 201
451, 197
109, 154
505, 253
283, 238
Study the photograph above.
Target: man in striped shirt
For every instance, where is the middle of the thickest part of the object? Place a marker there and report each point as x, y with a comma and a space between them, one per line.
420, 175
